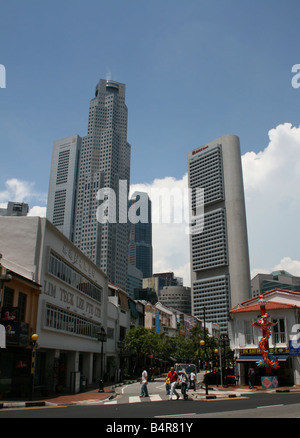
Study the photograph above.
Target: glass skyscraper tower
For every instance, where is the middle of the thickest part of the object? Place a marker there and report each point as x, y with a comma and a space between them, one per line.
103, 167
104, 161
140, 235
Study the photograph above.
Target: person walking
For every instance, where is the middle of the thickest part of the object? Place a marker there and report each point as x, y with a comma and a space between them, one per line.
184, 380
193, 379
173, 376
251, 377
144, 382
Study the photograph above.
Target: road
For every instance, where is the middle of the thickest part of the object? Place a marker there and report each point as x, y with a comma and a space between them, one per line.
128, 405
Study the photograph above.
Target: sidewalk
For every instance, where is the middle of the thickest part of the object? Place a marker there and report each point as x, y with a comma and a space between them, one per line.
91, 395
215, 391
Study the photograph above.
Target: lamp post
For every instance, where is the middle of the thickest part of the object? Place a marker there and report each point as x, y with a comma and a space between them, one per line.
34, 339
216, 351
203, 343
102, 337
121, 345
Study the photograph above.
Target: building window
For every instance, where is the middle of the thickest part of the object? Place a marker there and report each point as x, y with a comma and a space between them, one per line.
64, 321
279, 332
8, 299
22, 305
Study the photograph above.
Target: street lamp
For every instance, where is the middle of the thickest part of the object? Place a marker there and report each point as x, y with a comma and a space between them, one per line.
203, 343
102, 337
34, 339
121, 345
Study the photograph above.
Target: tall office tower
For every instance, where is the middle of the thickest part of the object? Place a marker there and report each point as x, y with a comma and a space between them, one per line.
63, 183
104, 162
140, 233
220, 272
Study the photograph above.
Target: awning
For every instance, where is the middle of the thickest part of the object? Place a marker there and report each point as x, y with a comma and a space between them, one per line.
256, 358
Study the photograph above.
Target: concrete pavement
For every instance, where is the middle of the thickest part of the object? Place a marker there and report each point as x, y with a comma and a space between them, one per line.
92, 395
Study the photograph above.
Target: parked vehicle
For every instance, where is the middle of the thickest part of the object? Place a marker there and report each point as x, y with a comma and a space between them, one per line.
188, 367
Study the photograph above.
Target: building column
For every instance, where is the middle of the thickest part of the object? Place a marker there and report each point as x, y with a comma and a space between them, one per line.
72, 367
296, 367
87, 366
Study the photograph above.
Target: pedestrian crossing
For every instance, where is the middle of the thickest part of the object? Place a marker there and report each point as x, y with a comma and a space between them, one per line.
138, 399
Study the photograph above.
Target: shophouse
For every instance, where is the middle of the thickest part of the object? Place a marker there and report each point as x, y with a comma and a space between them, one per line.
19, 295
283, 308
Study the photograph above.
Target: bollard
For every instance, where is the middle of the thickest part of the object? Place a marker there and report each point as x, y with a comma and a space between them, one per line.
100, 382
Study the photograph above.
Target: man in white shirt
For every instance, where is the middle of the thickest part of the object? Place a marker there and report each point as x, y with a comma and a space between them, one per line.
144, 389
193, 380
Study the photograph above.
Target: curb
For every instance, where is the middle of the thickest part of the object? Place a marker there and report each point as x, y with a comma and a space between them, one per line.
24, 404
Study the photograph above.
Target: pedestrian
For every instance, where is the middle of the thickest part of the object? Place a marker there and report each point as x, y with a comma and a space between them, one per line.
168, 386
184, 384
251, 377
193, 379
173, 376
144, 382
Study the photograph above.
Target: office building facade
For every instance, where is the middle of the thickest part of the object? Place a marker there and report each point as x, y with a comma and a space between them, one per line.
104, 163
63, 184
140, 234
89, 173
220, 273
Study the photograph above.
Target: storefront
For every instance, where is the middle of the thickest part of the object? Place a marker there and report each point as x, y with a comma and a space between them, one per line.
250, 357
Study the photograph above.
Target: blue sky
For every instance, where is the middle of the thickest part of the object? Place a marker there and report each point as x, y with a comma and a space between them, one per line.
194, 70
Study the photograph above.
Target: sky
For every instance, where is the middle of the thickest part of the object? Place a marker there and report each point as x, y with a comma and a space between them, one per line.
194, 70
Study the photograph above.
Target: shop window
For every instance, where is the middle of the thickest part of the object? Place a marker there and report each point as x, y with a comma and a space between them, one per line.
8, 297
22, 306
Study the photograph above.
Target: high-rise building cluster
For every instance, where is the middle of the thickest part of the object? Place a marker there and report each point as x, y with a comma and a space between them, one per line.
88, 201
84, 274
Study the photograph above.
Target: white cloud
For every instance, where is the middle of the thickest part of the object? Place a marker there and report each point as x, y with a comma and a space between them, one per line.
37, 211
289, 265
272, 190
23, 191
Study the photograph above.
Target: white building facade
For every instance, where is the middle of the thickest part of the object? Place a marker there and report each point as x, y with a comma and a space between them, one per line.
63, 184
220, 273
72, 304
283, 307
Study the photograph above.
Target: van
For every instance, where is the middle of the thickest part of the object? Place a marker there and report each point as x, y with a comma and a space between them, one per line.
188, 367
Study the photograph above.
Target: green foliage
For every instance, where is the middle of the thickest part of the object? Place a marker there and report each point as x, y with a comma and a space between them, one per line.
142, 342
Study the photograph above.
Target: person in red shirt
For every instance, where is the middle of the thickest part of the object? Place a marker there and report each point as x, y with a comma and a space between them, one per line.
173, 376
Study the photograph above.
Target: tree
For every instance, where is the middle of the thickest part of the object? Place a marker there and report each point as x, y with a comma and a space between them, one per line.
141, 342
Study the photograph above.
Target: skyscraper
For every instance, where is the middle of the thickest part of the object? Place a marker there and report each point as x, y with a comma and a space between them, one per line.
140, 234
220, 272
63, 183
101, 172
104, 162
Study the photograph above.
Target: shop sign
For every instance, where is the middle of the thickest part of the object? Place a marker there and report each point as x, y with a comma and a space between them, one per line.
294, 348
257, 350
10, 320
